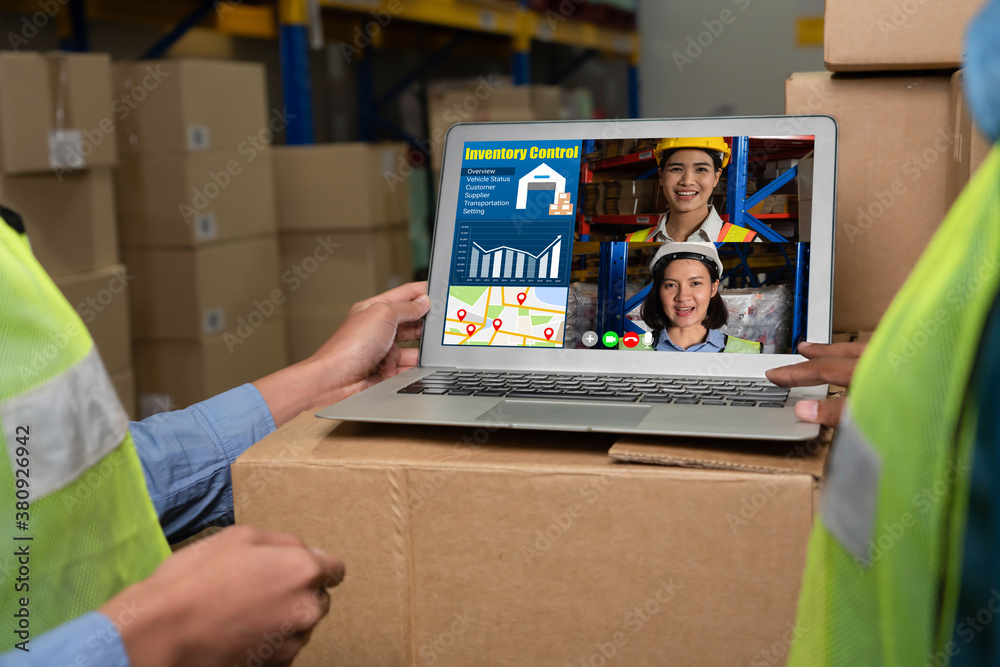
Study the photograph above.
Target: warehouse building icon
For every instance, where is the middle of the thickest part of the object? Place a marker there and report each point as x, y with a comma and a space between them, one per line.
542, 177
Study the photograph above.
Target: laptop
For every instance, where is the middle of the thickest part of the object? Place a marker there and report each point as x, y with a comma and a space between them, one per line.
537, 297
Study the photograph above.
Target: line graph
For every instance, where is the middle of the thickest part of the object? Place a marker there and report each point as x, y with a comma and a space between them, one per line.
508, 253
507, 262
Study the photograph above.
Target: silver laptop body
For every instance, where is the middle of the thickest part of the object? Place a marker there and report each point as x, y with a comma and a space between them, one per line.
470, 254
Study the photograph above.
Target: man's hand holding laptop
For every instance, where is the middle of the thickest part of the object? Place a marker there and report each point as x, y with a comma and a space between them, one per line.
828, 364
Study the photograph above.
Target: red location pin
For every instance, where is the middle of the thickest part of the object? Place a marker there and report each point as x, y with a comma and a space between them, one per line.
461, 315
548, 334
521, 297
471, 329
496, 324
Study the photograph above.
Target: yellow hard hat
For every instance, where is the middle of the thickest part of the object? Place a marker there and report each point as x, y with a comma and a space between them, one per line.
717, 144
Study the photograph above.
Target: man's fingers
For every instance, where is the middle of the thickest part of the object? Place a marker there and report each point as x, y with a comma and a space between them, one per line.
409, 331
827, 411
826, 370
332, 568
271, 538
818, 350
407, 292
408, 357
410, 311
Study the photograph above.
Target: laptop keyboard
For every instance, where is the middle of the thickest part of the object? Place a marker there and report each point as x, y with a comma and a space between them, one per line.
621, 389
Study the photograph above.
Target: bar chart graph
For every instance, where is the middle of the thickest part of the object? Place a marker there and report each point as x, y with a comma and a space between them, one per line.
505, 262
511, 253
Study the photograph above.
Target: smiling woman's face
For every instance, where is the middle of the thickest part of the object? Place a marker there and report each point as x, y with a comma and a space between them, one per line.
686, 292
688, 179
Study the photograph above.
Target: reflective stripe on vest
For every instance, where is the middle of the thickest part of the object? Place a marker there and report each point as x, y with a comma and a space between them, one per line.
729, 233
639, 236
882, 572
70, 474
736, 345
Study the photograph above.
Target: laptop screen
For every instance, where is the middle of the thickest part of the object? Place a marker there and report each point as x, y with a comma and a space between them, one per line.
555, 242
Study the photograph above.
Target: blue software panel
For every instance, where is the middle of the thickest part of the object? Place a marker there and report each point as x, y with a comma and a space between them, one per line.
516, 213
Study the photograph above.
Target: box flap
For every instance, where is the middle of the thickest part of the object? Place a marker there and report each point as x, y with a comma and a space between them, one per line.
768, 457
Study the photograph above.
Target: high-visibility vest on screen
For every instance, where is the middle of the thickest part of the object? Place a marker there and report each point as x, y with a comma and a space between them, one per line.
736, 345
729, 233
884, 561
78, 524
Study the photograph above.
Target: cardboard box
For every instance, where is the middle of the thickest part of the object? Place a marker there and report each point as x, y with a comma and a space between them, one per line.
193, 105
486, 99
124, 383
184, 199
891, 35
894, 147
196, 293
537, 548
175, 374
101, 299
324, 272
44, 93
69, 218
971, 145
341, 186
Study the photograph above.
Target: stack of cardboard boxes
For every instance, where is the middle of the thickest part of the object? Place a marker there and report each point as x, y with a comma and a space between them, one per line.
343, 212
198, 227
57, 151
487, 99
904, 150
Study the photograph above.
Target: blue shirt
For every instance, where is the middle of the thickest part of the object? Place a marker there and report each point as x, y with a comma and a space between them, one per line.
185, 458
714, 342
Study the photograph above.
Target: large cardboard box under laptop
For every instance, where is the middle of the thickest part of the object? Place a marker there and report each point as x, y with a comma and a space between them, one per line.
341, 186
473, 546
186, 199
175, 374
194, 293
895, 144
69, 218
194, 105
878, 35
41, 94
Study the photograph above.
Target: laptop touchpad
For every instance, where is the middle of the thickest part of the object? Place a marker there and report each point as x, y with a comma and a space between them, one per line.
570, 413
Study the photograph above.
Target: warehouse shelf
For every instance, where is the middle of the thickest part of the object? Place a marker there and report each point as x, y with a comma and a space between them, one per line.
515, 21
622, 161
291, 25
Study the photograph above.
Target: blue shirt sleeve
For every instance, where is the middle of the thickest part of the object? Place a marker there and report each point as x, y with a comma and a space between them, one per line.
91, 639
186, 456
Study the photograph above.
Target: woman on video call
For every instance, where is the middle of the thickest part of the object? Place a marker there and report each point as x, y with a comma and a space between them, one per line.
684, 307
689, 170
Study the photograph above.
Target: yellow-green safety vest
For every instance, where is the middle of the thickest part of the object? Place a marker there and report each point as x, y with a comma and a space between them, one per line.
78, 524
736, 345
884, 560
729, 233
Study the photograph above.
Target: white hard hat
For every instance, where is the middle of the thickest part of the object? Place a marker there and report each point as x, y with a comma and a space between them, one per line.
703, 252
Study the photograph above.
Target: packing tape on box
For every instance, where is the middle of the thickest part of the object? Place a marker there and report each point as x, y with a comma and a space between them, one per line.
65, 144
125, 123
